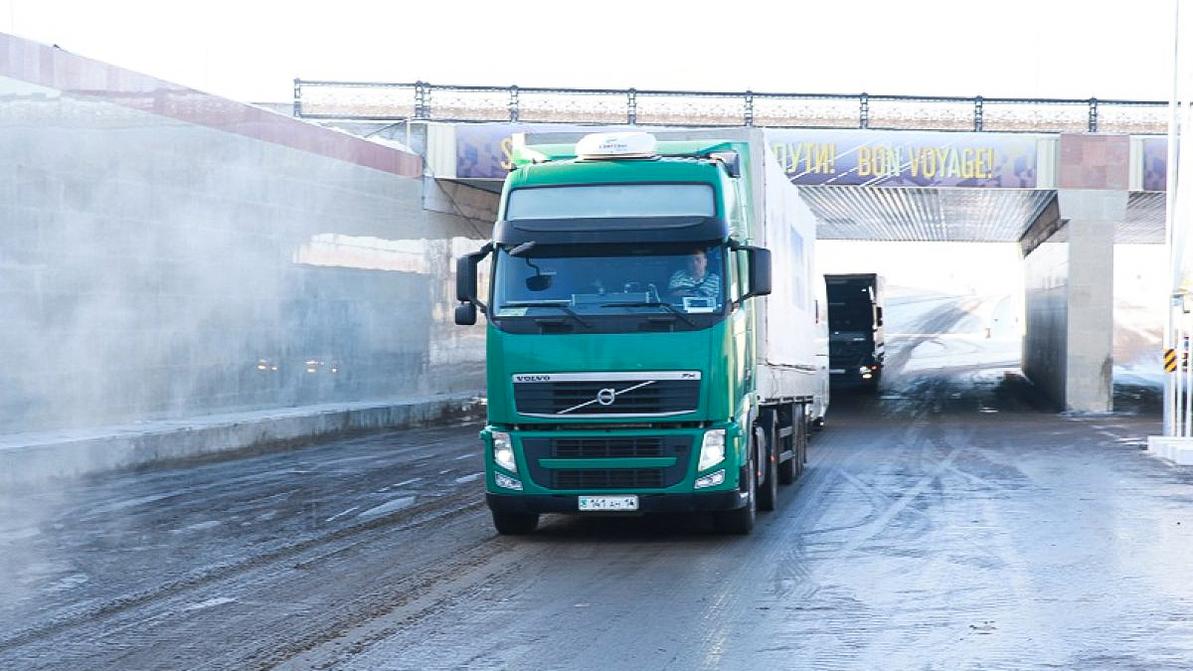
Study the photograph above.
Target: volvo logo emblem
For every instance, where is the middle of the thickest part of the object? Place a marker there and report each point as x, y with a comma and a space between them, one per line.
606, 396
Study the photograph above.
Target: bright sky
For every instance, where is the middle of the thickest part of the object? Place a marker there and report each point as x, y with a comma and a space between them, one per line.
252, 50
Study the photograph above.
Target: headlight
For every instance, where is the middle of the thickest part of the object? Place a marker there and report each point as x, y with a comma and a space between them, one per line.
863, 370
712, 449
503, 451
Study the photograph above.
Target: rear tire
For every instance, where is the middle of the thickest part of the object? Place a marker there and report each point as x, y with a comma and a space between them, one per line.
514, 524
741, 521
768, 491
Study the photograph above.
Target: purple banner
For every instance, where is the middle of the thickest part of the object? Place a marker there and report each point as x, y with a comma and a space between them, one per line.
906, 158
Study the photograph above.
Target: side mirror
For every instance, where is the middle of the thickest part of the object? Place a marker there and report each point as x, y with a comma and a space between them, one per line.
466, 278
466, 286
538, 283
760, 271
466, 314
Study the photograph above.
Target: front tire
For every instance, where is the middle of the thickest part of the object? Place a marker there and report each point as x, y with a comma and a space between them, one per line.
768, 491
741, 520
514, 524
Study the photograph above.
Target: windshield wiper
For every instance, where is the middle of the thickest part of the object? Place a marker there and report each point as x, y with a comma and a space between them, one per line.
562, 304
650, 304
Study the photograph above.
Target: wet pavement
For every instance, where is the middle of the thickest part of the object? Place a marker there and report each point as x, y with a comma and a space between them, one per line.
950, 521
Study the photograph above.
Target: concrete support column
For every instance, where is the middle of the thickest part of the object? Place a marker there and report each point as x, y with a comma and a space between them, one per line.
1089, 365
1069, 280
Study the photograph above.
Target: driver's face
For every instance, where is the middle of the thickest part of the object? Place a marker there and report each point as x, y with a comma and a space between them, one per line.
697, 264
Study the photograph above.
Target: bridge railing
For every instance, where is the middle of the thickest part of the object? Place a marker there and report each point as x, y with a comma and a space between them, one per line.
385, 101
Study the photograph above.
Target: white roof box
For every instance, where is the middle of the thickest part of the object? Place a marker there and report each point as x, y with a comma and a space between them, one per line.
630, 144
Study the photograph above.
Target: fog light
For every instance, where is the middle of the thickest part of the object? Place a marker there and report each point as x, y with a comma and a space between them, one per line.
711, 480
712, 449
506, 482
503, 451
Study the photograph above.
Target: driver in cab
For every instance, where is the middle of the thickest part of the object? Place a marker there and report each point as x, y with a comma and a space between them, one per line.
695, 279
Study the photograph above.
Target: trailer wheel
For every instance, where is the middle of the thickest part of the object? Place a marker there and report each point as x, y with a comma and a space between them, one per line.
741, 520
789, 470
514, 524
768, 489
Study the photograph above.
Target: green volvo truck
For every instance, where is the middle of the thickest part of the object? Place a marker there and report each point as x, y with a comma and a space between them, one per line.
656, 340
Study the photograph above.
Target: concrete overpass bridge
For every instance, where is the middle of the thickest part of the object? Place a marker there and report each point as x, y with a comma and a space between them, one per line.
1065, 179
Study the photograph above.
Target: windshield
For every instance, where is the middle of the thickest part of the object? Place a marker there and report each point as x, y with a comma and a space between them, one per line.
571, 284
856, 316
611, 200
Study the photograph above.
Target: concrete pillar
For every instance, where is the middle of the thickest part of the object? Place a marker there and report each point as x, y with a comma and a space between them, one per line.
1069, 280
1089, 368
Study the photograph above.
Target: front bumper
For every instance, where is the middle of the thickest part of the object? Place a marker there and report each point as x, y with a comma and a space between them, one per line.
647, 503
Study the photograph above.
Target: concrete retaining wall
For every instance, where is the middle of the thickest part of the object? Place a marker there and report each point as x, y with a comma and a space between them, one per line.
169, 255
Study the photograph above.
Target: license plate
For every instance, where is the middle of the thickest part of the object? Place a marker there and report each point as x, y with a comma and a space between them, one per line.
609, 503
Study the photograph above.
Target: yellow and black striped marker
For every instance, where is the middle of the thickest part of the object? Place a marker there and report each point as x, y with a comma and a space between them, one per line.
1170, 360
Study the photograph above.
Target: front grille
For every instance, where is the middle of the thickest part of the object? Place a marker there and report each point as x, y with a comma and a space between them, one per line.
849, 354
608, 478
580, 398
596, 448
601, 447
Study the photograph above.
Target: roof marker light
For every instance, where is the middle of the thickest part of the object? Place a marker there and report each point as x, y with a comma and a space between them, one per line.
632, 144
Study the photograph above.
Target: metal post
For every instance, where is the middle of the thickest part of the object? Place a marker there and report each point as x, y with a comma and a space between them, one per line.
513, 104
864, 110
748, 116
297, 97
978, 121
1171, 391
1093, 115
631, 110
422, 100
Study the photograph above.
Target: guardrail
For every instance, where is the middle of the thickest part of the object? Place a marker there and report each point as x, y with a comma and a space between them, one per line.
382, 101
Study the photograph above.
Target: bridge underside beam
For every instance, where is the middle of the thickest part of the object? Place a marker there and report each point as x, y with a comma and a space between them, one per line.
1069, 281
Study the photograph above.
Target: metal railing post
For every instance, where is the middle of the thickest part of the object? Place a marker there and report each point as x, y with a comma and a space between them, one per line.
422, 100
864, 110
631, 110
513, 104
748, 115
297, 97
1093, 115
978, 120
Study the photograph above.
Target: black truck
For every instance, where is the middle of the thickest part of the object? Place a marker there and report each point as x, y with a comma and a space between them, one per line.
857, 348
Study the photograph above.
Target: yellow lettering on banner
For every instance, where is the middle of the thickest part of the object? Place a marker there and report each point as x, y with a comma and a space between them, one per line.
980, 164
967, 171
990, 163
954, 169
507, 153
928, 159
863, 161
824, 158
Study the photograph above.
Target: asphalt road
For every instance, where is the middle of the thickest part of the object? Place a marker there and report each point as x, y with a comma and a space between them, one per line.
951, 521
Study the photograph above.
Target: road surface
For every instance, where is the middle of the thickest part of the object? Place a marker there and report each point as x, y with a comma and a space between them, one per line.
951, 521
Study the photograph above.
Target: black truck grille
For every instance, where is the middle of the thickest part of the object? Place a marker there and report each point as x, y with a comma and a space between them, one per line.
578, 398
596, 448
608, 478
538, 449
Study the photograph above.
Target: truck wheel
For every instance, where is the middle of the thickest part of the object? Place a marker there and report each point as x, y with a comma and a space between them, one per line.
768, 491
789, 470
514, 524
741, 520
